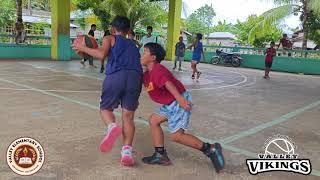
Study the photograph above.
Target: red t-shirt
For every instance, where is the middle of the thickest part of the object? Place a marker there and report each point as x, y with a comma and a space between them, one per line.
155, 81
286, 43
270, 53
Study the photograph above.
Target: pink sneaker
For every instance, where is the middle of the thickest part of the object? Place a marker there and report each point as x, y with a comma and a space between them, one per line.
126, 156
111, 136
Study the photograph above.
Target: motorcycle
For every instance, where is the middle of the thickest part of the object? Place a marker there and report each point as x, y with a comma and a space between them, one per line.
228, 58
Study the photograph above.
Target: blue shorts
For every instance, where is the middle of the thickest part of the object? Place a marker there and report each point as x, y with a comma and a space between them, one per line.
178, 118
196, 57
122, 87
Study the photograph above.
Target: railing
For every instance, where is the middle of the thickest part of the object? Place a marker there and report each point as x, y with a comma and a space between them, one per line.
309, 54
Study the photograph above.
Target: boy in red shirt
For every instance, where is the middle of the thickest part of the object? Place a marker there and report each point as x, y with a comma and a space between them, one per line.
165, 89
270, 53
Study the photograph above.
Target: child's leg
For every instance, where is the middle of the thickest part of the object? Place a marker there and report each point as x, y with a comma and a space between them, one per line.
198, 72
213, 151
113, 130
186, 139
129, 103
156, 130
194, 68
128, 130
91, 62
128, 127
160, 156
107, 116
175, 62
180, 59
267, 71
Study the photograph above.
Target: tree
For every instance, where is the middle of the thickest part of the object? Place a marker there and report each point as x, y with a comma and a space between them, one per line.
288, 7
246, 33
313, 26
96, 6
7, 12
201, 20
140, 12
224, 27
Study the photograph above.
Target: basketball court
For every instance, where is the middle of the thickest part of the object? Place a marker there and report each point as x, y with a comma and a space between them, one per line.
57, 104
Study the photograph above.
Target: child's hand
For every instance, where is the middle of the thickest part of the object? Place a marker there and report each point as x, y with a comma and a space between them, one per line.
185, 104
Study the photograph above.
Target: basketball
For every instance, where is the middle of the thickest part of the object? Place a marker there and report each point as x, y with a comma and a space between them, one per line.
279, 146
86, 40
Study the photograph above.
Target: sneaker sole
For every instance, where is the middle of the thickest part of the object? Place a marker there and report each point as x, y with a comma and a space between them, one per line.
217, 165
127, 161
107, 142
160, 164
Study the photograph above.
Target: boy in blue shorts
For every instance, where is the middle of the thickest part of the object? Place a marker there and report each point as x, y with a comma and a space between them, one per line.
165, 89
122, 85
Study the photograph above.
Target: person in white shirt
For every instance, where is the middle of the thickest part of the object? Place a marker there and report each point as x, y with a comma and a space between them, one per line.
149, 38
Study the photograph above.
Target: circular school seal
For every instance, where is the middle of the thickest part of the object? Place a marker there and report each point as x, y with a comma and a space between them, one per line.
25, 156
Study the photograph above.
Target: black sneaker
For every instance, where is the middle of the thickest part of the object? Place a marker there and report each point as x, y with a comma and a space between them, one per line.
192, 77
216, 156
158, 159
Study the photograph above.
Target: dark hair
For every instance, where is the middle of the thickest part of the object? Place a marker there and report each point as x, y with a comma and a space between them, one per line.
149, 27
107, 33
93, 25
199, 36
272, 42
132, 32
156, 50
121, 24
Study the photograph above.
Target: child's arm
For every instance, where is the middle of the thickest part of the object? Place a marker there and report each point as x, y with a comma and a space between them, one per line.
99, 53
184, 103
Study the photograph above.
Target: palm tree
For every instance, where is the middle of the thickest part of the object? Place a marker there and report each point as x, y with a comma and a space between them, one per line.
287, 7
140, 12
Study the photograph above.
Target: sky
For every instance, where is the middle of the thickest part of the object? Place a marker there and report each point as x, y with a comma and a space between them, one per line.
231, 10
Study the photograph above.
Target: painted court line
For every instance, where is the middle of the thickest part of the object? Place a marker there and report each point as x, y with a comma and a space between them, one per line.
276, 121
139, 120
190, 89
50, 90
57, 70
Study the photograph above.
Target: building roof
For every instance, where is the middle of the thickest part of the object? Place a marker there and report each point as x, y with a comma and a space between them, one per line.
310, 44
221, 35
35, 19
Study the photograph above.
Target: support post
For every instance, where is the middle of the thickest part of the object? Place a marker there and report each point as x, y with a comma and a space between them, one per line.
174, 21
60, 30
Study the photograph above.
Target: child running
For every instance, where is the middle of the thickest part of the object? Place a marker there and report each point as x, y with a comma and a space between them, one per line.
180, 50
196, 55
122, 85
165, 89
270, 53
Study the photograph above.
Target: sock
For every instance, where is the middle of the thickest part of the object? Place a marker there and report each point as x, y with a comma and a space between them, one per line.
206, 147
110, 126
127, 147
160, 150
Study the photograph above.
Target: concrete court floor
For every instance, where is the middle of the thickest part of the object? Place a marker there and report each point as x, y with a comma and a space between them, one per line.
57, 104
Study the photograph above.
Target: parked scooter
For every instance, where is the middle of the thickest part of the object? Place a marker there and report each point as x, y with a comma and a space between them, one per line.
228, 58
